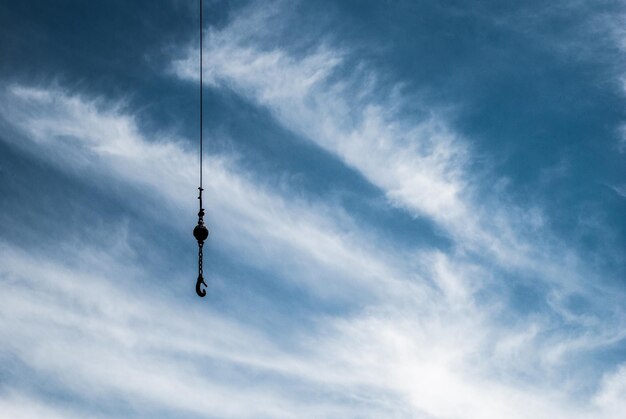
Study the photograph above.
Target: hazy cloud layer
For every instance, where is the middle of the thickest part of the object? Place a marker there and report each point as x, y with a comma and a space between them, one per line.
321, 314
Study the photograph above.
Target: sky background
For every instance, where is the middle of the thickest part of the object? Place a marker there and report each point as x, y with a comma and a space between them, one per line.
416, 209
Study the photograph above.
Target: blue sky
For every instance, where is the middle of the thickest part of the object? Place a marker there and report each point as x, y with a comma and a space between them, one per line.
416, 210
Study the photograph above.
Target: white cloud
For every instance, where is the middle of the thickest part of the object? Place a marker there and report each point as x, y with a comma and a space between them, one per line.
420, 163
23, 406
419, 344
620, 190
325, 247
96, 341
612, 396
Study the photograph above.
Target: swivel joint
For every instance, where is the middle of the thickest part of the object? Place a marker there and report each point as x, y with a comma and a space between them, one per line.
200, 232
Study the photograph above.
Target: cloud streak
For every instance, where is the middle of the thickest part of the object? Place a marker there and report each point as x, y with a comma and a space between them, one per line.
408, 346
420, 163
394, 331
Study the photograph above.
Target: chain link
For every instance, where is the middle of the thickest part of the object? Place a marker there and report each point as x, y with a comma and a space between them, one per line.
200, 259
201, 292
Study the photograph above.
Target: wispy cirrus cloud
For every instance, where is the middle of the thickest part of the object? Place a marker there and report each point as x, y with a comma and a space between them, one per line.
421, 163
395, 331
76, 134
152, 356
405, 350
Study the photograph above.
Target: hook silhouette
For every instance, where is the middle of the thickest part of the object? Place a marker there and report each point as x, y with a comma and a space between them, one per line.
201, 292
201, 233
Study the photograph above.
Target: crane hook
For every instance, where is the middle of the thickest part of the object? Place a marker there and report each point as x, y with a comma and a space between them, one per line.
201, 292
201, 233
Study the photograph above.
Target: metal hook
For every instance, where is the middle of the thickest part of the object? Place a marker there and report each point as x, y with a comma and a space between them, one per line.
201, 233
201, 292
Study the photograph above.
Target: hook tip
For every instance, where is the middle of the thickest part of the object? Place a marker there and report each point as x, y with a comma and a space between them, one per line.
201, 292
